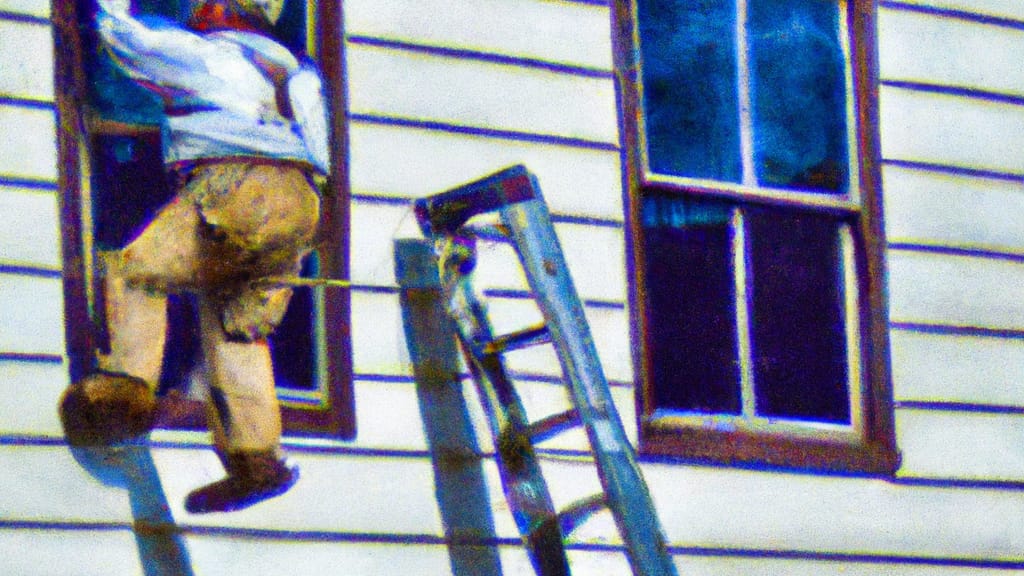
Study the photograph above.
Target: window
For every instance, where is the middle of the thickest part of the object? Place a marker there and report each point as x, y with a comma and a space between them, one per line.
113, 179
751, 152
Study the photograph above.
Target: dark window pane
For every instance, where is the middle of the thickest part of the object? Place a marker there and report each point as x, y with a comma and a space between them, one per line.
689, 83
691, 321
292, 346
798, 94
129, 186
797, 312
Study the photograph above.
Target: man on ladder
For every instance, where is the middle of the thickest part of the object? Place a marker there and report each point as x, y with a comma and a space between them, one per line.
244, 132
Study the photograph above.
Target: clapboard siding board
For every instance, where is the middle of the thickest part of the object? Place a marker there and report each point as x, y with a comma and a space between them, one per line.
379, 346
26, 57
415, 162
32, 321
37, 8
30, 235
45, 484
217, 555
36, 552
1011, 9
389, 416
337, 493
727, 508
595, 254
963, 369
37, 386
698, 506
961, 445
542, 399
933, 208
738, 566
956, 290
558, 32
951, 130
465, 92
28, 142
926, 48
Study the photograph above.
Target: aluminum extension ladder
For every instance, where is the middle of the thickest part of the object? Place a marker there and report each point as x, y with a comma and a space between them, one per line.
515, 195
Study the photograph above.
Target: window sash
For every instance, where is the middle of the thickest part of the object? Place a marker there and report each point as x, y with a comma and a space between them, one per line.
748, 188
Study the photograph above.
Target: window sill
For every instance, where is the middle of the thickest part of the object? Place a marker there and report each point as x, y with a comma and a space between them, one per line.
771, 450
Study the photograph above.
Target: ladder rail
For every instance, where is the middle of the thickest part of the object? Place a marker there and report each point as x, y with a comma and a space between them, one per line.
547, 272
522, 481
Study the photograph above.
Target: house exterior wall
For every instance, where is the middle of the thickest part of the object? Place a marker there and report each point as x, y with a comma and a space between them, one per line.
442, 92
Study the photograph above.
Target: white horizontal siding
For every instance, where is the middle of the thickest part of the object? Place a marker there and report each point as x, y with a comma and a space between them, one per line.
26, 57
542, 399
926, 48
45, 484
30, 235
933, 208
424, 87
559, 32
38, 8
956, 290
1000, 8
355, 494
32, 321
389, 416
38, 387
602, 563
960, 369
406, 162
951, 130
609, 328
378, 337
226, 556
379, 347
738, 566
714, 508
595, 254
961, 445
727, 508
373, 232
28, 143
33, 552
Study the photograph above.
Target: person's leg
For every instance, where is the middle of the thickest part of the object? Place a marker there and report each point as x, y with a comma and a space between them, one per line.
118, 402
260, 219
245, 420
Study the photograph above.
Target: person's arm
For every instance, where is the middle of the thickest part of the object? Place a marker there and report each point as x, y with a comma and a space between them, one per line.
306, 96
161, 57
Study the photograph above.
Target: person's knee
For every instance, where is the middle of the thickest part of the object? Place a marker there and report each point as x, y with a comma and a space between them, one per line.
255, 313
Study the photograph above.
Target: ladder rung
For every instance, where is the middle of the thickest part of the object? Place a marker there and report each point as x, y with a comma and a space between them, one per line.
522, 339
493, 232
552, 425
579, 511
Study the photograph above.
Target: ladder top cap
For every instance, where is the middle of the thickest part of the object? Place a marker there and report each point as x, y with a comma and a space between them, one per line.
446, 212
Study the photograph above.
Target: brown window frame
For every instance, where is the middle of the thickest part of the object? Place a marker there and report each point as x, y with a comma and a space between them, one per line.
874, 450
332, 413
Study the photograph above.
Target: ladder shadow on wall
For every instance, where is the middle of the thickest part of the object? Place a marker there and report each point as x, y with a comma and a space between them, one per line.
461, 490
162, 551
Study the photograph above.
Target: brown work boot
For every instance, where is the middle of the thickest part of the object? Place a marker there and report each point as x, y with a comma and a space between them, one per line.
107, 408
252, 478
